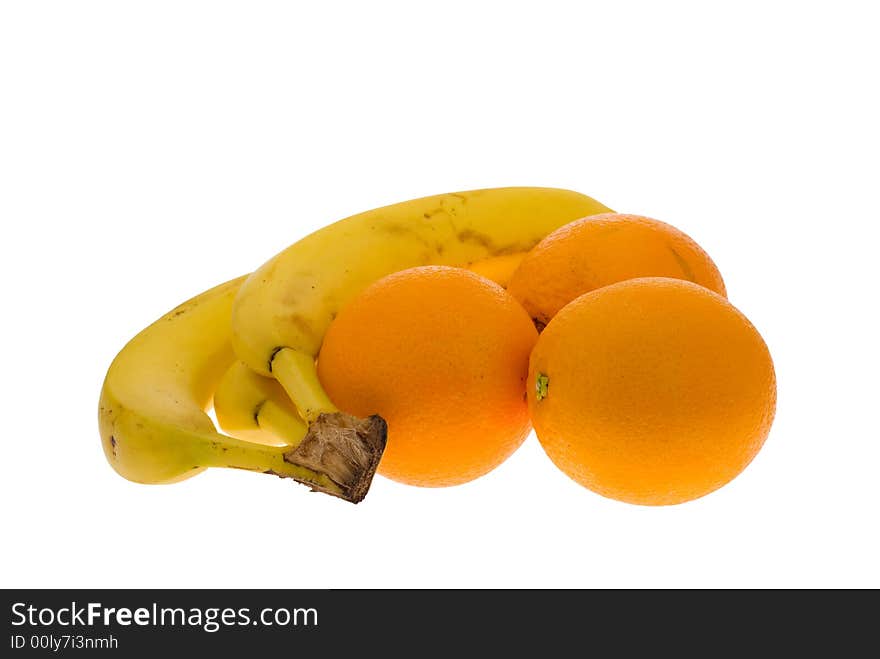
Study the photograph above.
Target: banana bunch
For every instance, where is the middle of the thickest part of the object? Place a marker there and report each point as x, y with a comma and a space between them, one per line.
249, 346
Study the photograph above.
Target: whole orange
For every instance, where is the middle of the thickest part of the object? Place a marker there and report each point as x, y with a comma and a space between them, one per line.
652, 391
442, 354
603, 249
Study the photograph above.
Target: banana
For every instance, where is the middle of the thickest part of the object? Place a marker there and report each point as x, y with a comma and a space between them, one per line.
255, 408
152, 418
499, 269
283, 309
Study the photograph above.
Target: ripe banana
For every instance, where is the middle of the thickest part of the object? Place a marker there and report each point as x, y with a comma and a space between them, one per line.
255, 408
283, 309
152, 418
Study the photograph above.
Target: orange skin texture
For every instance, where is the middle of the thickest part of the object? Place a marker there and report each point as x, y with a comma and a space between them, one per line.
442, 354
604, 249
658, 391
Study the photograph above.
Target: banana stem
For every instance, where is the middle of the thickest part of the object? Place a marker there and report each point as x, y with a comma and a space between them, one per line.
338, 455
239, 454
296, 372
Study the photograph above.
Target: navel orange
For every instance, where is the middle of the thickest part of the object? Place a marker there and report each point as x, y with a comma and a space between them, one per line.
603, 249
651, 391
442, 354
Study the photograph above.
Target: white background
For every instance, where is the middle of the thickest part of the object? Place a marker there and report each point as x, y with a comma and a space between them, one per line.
149, 150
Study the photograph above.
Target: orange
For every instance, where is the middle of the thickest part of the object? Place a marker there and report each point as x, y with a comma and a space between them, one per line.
652, 391
442, 354
603, 249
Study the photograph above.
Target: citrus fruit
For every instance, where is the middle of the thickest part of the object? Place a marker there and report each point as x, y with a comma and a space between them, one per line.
651, 391
603, 249
442, 354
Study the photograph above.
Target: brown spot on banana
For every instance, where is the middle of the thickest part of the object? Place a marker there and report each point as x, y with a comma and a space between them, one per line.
453, 204
450, 206
402, 230
476, 238
515, 248
485, 241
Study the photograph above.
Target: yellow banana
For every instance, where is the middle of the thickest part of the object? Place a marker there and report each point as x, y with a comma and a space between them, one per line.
152, 418
255, 408
283, 309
